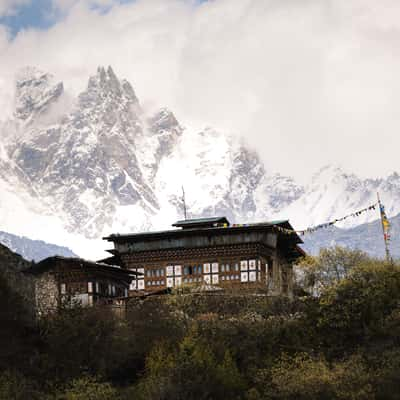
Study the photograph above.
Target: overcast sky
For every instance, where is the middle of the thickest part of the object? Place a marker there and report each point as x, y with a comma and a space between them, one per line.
306, 82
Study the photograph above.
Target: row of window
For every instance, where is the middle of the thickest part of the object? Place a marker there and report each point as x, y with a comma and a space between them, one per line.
193, 270
211, 273
207, 268
155, 283
192, 280
230, 277
229, 267
102, 288
155, 272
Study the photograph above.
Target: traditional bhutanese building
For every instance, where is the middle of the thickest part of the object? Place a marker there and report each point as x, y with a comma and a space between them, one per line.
209, 252
62, 281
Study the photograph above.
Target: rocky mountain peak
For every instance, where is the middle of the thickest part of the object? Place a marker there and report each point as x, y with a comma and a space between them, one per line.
163, 119
106, 83
35, 92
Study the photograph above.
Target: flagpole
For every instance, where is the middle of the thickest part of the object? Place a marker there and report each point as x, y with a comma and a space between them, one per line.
184, 203
388, 258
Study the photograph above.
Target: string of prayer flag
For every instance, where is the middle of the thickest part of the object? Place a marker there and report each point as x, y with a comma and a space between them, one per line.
327, 224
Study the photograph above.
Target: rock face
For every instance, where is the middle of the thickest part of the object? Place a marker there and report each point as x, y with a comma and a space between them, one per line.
35, 92
99, 163
103, 164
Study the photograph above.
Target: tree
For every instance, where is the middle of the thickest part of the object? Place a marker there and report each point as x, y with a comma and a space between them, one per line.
357, 309
314, 273
192, 372
302, 377
88, 388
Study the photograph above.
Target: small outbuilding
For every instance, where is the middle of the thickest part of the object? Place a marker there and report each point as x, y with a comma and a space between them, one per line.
61, 281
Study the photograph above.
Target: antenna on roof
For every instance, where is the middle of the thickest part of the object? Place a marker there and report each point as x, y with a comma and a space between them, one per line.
184, 202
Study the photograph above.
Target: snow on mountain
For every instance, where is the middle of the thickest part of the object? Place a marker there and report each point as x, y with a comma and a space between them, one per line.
86, 165
218, 173
77, 169
274, 194
35, 91
334, 193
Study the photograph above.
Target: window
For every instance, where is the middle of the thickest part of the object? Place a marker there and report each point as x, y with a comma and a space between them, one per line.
63, 288
270, 270
222, 267
236, 266
178, 270
227, 267
188, 270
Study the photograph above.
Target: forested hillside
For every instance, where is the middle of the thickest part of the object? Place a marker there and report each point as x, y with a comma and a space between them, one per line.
341, 344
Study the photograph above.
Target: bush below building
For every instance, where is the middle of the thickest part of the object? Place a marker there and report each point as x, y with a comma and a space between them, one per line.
343, 344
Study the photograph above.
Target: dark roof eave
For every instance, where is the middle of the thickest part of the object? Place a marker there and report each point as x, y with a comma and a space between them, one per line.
182, 232
46, 264
201, 222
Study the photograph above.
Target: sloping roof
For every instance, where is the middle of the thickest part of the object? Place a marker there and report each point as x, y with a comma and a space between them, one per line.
50, 262
200, 222
121, 238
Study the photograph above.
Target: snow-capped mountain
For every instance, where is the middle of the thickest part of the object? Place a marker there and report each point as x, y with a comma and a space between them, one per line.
74, 169
333, 193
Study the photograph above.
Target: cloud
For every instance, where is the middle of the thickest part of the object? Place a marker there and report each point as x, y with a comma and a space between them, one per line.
66, 5
305, 82
10, 7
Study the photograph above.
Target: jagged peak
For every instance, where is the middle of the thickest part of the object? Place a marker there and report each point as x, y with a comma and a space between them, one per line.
29, 74
107, 81
35, 91
163, 118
